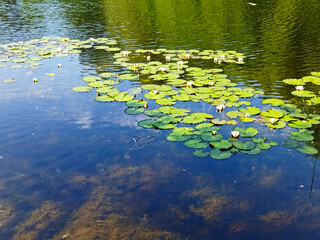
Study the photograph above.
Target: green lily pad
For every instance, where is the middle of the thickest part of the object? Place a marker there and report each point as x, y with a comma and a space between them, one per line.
272, 113
303, 93
207, 127
254, 151
294, 81
300, 124
278, 125
301, 136
123, 97
152, 112
176, 137
136, 103
307, 150
195, 143
154, 96
248, 132
9, 80
290, 144
273, 101
104, 98
107, 74
247, 145
147, 123
91, 78
128, 76
82, 89
209, 137
200, 153
250, 110
220, 155
134, 111
223, 144
195, 118
165, 101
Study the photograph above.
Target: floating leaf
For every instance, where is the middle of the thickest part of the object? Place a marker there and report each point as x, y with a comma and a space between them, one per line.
254, 151
152, 112
134, 111
273, 101
250, 110
307, 150
136, 103
223, 144
82, 89
301, 136
300, 124
123, 97
209, 137
176, 137
91, 78
272, 113
279, 124
200, 153
165, 101
220, 155
207, 127
9, 80
294, 81
303, 93
247, 145
248, 132
195, 143
290, 144
104, 98
127, 76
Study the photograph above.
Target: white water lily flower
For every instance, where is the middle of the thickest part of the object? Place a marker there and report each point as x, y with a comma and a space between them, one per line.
168, 58
125, 54
211, 84
215, 59
180, 63
220, 107
162, 69
189, 84
214, 132
59, 50
273, 120
187, 56
240, 59
235, 134
247, 115
148, 58
299, 88
155, 91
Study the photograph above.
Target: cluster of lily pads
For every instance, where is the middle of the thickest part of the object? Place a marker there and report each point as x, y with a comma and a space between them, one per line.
168, 81
30, 53
313, 79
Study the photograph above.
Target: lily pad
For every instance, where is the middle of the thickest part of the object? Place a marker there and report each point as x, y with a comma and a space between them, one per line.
176, 137
134, 111
223, 144
301, 136
200, 153
123, 97
210, 137
248, 132
195, 143
300, 124
220, 155
82, 89
247, 145
104, 98
290, 144
307, 150
273, 101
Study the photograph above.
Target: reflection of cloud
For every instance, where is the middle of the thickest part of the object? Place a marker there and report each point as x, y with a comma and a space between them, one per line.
85, 120
118, 117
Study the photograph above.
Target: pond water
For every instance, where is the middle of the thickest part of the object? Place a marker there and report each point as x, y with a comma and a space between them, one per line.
75, 168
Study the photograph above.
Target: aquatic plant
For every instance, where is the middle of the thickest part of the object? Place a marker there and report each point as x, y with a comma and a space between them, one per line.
167, 80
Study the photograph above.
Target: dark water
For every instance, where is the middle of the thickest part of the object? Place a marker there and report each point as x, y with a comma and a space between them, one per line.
73, 168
